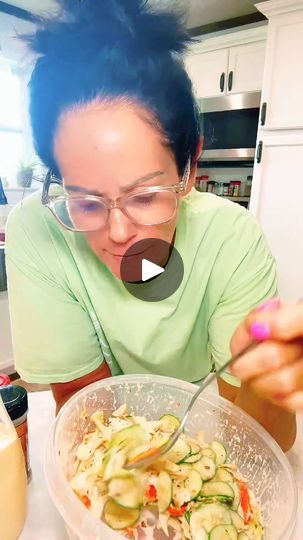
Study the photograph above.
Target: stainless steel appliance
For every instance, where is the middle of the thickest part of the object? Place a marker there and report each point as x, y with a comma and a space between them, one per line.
230, 125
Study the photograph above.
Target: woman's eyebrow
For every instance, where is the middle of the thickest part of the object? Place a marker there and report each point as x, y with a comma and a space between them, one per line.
125, 189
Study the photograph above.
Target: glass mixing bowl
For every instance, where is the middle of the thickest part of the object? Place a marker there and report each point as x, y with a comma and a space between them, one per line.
257, 455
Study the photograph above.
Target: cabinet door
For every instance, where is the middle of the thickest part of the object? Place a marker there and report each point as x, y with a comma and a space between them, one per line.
283, 76
277, 198
246, 68
207, 71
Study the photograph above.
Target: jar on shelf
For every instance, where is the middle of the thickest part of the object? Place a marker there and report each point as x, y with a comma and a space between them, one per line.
220, 189
236, 187
211, 186
226, 189
201, 182
248, 186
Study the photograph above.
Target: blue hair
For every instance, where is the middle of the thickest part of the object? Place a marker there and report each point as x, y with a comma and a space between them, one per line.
113, 49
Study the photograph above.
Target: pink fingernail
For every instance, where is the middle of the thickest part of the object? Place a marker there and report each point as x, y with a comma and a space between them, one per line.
269, 305
260, 332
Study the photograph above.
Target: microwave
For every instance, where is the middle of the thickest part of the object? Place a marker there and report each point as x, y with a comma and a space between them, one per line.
229, 125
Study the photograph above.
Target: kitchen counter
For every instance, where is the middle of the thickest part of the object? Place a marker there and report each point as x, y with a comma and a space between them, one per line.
43, 520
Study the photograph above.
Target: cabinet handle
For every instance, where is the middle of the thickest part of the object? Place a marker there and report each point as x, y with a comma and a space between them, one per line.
259, 152
222, 82
230, 80
263, 113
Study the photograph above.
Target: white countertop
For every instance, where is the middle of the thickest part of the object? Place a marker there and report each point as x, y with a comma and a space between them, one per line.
44, 522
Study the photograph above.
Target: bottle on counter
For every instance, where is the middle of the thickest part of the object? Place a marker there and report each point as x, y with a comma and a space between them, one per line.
13, 484
16, 404
4, 380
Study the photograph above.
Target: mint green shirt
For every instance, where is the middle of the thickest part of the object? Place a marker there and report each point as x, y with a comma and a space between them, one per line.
69, 313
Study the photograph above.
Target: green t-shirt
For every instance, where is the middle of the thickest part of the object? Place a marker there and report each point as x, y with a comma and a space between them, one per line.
70, 313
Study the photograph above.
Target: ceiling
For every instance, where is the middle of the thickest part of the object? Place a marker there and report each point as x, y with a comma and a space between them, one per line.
201, 12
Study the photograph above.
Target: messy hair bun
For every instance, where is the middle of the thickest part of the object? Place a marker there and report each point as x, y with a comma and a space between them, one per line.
110, 49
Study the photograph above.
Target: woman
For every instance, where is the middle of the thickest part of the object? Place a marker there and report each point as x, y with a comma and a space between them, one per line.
113, 116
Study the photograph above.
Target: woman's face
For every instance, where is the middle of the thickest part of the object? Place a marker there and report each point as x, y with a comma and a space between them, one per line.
105, 149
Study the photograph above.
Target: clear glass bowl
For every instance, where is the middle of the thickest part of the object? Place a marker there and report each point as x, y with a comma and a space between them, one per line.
257, 455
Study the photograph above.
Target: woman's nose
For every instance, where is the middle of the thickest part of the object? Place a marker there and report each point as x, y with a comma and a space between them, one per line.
120, 227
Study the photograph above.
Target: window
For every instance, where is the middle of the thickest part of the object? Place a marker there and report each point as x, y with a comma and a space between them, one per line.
11, 135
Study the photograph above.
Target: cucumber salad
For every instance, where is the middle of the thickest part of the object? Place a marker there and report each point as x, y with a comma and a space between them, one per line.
192, 491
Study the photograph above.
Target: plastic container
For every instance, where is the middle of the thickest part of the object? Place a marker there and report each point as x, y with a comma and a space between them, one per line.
258, 456
13, 491
16, 404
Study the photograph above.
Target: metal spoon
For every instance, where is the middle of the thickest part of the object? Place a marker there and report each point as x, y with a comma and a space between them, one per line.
146, 458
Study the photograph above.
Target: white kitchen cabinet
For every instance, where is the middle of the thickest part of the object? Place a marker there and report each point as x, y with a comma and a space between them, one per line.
208, 72
276, 201
283, 80
231, 63
246, 67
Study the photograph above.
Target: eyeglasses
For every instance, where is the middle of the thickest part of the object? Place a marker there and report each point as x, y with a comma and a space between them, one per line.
86, 213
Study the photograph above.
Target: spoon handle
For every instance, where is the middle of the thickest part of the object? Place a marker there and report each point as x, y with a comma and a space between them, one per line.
212, 377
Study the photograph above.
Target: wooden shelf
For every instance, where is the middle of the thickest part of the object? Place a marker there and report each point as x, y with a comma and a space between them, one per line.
236, 199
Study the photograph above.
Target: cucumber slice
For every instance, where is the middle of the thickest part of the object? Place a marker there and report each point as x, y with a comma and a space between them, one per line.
237, 520
194, 484
223, 475
126, 491
209, 453
242, 536
169, 423
113, 463
164, 491
205, 467
179, 451
215, 498
220, 452
198, 532
236, 491
192, 458
224, 532
117, 517
194, 447
217, 488
181, 494
129, 437
207, 517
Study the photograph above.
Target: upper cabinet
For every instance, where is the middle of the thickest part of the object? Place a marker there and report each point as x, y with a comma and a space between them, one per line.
228, 64
246, 68
283, 75
208, 72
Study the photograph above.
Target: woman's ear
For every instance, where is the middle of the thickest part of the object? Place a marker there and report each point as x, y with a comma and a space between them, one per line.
194, 166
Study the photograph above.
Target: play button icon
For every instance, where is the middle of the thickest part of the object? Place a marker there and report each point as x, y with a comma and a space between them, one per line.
152, 270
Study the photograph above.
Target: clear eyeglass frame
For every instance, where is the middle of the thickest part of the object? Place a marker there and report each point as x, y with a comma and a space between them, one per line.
50, 201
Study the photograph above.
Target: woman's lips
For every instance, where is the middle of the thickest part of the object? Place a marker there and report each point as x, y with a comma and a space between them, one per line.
126, 256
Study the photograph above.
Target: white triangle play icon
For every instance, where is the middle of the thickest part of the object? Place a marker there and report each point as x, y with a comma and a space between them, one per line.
150, 270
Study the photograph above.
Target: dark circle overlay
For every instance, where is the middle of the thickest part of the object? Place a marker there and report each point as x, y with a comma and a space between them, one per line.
157, 252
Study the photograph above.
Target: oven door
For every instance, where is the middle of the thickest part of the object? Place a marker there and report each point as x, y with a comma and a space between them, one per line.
230, 126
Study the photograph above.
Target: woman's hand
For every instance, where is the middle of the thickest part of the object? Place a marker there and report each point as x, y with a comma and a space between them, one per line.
274, 370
